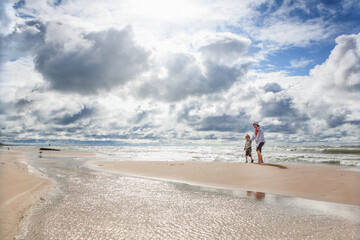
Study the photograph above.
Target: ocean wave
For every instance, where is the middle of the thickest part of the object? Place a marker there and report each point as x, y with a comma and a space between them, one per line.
332, 161
350, 146
341, 151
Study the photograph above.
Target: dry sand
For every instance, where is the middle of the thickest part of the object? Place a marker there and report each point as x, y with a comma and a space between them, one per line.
20, 189
317, 182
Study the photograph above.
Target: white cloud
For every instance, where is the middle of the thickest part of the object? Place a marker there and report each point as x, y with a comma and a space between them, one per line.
342, 69
285, 33
299, 63
223, 48
330, 94
7, 17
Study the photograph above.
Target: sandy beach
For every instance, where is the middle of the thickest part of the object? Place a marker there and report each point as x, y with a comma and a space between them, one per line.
130, 204
317, 182
20, 189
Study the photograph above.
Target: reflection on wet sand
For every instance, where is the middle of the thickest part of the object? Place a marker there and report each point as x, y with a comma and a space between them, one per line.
98, 205
256, 195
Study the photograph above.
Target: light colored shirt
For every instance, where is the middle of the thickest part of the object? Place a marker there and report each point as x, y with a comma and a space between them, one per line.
259, 137
247, 144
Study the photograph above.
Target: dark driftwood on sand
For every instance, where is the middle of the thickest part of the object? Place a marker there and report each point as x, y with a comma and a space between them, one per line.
49, 149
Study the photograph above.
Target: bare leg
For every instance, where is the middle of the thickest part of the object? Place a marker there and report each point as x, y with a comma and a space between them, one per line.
260, 160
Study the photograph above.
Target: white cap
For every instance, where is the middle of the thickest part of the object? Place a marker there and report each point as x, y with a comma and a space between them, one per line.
256, 123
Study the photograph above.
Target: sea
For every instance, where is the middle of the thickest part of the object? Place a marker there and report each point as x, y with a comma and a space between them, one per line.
322, 154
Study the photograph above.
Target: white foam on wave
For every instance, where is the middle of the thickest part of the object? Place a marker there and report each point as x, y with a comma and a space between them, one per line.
223, 153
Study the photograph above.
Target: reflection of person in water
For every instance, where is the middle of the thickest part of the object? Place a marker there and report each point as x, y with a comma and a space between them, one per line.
259, 195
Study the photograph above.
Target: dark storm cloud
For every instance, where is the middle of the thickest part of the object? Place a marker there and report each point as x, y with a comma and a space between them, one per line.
22, 104
284, 127
108, 136
272, 87
66, 129
219, 123
139, 117
12, 118
333, 120
141, 128
185, 78
184, 114
291, 119
278, 108
224, 123
68, 119
111, 59
3, 107
354, 122
210, 137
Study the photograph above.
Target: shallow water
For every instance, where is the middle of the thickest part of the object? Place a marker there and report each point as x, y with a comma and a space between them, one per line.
96, 205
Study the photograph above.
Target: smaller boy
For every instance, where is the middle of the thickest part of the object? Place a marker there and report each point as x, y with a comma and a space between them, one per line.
247, 148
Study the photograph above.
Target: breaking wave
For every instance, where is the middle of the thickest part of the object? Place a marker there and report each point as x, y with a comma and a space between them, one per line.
341, 151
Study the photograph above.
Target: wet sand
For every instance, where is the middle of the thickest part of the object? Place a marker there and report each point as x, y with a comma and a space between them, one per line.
89, 204
318, 182
20, 189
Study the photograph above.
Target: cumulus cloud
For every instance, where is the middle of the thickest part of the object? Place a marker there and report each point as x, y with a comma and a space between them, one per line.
185, 78
223, 48
86, 112
98, 61
203, 116
277, 108
23, 41
280, 109
225, 123
272, 87
341, 70
330, 94
187, 74
22, 104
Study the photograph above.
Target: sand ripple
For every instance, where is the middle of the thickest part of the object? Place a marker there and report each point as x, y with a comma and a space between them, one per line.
95, 205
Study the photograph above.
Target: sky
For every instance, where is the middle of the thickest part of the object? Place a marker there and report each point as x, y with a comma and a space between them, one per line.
179, 72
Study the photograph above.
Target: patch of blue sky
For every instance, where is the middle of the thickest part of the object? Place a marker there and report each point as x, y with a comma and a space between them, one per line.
56, 3
285, 60
24, 16
19, 4
327, 10
269, 6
